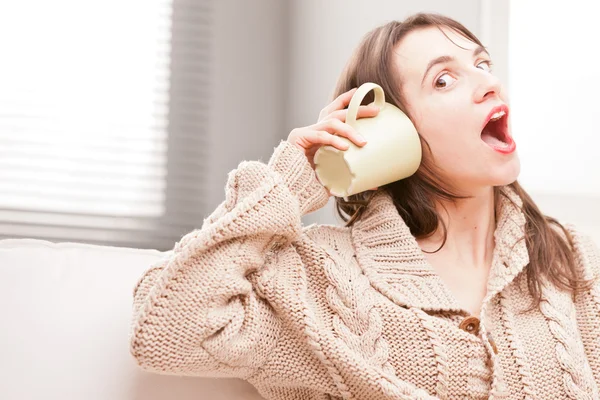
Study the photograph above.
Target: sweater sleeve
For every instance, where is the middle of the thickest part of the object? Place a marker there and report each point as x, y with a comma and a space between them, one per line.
196, 312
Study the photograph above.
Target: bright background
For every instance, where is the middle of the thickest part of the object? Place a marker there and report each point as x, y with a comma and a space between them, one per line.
555, 97
119, 120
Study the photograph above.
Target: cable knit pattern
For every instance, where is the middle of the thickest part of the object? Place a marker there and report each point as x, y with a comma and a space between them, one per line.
355, 319
588, 304
559, 317
357, 322
324, 312
441, 358
516, 348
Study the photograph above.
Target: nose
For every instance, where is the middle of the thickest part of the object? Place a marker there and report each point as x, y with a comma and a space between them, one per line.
488, 86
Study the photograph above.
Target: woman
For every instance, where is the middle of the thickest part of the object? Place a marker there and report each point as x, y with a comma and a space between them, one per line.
449, 284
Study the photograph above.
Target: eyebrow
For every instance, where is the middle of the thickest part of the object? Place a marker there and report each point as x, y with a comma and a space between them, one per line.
444, 59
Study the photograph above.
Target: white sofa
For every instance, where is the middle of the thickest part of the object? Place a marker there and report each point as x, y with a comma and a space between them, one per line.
64, 327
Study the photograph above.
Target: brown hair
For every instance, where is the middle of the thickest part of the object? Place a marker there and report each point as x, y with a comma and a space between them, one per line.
549, 244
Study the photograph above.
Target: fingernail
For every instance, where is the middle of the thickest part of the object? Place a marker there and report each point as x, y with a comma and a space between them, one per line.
362, 139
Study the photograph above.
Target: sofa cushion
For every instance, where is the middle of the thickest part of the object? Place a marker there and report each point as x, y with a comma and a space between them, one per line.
65, 323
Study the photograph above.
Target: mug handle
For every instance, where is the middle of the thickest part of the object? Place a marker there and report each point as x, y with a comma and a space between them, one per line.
358, 97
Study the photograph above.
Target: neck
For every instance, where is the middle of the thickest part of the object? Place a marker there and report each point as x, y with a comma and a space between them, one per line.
470, 225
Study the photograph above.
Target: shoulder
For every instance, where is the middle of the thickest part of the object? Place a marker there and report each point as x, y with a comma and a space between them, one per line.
322, 231
331, 239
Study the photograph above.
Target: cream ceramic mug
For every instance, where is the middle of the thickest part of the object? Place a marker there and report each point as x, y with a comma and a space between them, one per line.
392, 152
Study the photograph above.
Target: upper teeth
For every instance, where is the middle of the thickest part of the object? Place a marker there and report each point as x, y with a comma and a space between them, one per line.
497, 116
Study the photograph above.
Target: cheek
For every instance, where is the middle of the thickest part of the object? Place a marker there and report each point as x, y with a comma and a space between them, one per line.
445, 123
452, 142
447, 136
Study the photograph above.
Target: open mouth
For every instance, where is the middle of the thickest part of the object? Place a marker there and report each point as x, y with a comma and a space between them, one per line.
495, 132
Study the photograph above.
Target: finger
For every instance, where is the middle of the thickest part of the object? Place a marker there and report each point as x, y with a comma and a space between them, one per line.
367, 111
325, 138
339, 103
337, 127
312, 140
363, 112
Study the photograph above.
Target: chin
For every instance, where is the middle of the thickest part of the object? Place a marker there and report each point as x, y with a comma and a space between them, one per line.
507, 173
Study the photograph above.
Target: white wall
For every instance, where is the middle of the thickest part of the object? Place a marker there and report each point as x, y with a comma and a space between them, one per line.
554, 90
248, 85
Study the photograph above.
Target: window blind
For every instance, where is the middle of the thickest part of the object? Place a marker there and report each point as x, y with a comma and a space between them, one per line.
102, 120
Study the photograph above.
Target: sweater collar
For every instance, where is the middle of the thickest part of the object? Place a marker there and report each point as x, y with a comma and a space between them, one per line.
394, 263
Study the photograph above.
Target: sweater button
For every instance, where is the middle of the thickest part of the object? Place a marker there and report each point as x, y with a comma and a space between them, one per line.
470, 324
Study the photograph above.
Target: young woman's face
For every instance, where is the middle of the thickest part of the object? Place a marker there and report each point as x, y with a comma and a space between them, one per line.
459, 107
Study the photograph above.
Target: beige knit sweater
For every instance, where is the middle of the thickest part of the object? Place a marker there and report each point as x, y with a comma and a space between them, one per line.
325, 312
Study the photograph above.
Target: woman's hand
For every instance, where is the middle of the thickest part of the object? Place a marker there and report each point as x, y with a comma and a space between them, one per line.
330, 127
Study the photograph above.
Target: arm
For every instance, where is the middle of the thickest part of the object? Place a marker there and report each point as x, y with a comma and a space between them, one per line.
195, 313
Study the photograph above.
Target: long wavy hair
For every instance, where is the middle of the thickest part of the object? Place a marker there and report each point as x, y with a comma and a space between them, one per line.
549, 244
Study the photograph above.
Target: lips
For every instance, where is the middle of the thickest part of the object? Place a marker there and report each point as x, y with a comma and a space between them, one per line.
495, 131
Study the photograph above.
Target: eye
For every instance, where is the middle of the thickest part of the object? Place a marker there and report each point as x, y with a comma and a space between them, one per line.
485, 65
444, 80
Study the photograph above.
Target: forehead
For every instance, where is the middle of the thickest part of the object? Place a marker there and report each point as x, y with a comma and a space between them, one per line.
422, 45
